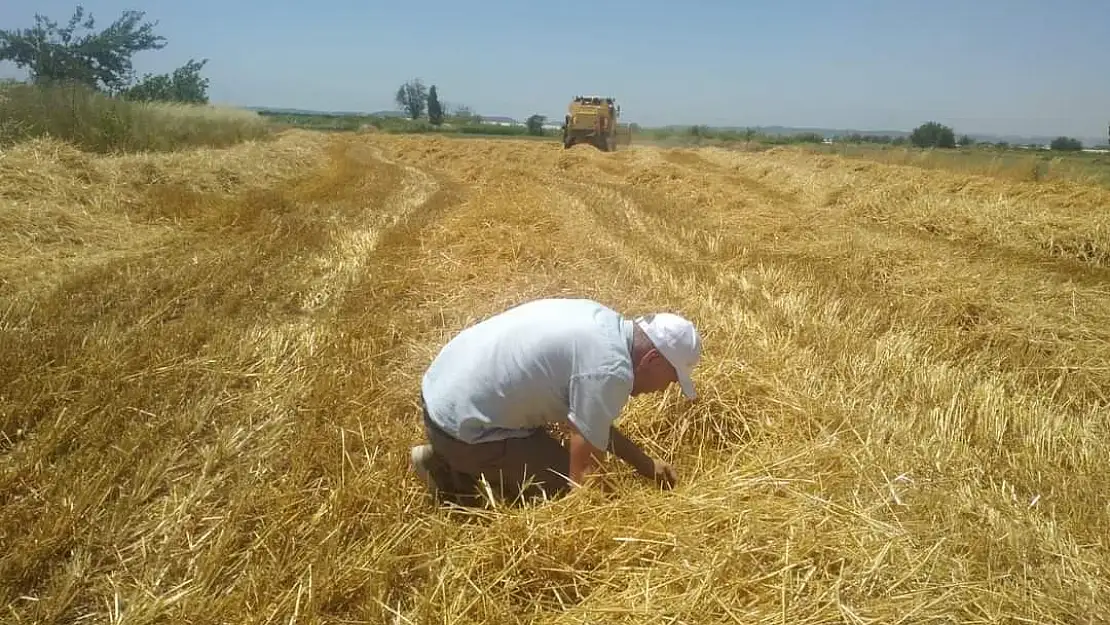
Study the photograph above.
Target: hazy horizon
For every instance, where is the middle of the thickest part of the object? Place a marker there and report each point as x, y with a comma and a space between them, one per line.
993, 67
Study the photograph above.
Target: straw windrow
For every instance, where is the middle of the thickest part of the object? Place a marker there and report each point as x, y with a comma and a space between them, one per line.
212, 361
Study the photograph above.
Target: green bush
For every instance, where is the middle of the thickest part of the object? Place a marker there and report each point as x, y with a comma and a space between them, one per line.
1066, 144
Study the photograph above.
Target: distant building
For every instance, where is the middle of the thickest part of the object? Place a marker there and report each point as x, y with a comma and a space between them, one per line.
498, 120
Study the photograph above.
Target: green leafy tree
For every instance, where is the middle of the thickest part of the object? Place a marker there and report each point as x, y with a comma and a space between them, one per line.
933, 135
1066, 144
535, 124
101, 60
184, 85
967, 140
435, 108
412, 98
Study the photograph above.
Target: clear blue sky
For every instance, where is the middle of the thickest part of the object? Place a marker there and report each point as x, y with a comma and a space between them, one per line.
992, 66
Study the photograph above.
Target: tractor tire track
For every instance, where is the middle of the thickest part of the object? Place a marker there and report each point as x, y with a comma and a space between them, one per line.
353, 247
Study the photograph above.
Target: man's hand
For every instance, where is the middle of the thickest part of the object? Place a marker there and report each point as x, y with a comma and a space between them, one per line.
664, 474
584, 458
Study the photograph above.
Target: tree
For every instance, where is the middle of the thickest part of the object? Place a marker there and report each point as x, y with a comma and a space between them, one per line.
101, 60
184, 85
464, 115
535, 124
808, 137
435, 109
967, 140
412, 97
1066, 144
933, 135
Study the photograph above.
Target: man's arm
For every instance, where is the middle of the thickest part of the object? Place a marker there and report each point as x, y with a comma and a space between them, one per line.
596, 400
583, 456
631, 453
662, 472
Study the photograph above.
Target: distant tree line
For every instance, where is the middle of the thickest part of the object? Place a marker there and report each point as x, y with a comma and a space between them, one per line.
928, 135
418, 101
937, 135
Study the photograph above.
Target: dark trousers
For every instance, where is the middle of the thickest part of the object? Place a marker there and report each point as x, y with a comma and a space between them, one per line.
538, 463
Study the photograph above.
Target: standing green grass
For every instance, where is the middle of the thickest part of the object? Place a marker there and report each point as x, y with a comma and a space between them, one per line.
97, 122
1013, 163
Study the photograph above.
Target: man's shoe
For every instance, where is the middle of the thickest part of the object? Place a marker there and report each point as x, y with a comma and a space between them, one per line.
425, 463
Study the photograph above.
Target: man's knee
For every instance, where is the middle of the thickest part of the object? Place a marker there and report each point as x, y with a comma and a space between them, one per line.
533, 465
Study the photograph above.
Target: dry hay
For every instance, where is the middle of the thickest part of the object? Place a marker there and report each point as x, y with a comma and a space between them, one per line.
60, 206
903, 412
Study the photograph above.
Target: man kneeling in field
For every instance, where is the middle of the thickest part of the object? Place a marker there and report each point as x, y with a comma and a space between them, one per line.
491, 392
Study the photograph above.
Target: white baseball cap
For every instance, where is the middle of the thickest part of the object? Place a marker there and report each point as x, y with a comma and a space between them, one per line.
677, 339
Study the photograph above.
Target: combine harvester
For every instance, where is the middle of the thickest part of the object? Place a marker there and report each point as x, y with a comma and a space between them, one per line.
593, 120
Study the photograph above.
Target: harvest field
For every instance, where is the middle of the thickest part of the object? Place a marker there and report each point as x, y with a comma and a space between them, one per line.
212, 357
